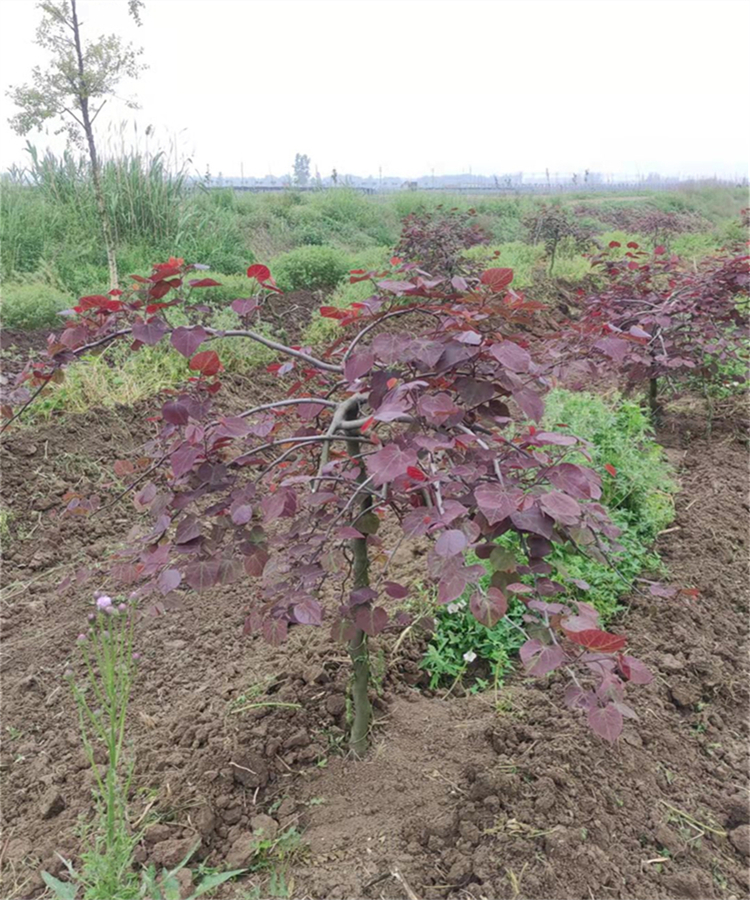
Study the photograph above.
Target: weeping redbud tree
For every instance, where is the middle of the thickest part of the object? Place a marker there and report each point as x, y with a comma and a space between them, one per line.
422, 414
658, 320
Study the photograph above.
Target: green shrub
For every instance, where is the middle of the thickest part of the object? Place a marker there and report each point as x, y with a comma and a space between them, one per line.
522, 258
322, 331
32, 304
310, 268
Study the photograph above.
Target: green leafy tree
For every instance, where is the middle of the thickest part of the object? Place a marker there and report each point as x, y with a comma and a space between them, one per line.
301, 169
74, 87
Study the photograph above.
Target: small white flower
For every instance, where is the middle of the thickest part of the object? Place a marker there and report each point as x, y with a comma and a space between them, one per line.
469, 656
453, 607
461, 604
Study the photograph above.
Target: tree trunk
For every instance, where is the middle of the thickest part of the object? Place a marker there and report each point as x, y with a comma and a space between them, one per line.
83, 99
653, 400
358, 650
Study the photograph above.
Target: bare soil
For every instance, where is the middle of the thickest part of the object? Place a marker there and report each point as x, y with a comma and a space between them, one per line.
476, 796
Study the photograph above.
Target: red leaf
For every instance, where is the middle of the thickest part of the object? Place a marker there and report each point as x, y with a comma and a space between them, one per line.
614, 244
660, 250
497, 279
416, 474
205, 282
259, 272
611, 469
333, 312
396, 260
593, 639
366, 424
207, 363
632, 245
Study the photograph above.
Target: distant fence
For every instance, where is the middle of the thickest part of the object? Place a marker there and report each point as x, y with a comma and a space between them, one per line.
543, 188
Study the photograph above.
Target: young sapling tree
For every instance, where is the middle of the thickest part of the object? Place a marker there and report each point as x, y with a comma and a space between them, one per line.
79, 79
422, 415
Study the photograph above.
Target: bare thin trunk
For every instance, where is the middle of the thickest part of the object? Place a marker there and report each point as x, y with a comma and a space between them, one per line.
358, 650
109, 242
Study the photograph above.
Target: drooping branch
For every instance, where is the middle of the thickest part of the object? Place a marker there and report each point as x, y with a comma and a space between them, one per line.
281, 348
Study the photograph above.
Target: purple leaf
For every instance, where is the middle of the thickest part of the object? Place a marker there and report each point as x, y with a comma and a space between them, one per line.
494, 502
308, 612
240, 512
474, 392
389, 463
395, 590
358, 365
183, 459
188, 530
187, 340
530, 402
553, 437
541, 659
362, 595
451, 543
150, 332
615, 348
634, 670
203, 574
578, 481
175, 412
424, 351
168, 580
371, 620
439, 408
511, 356
533, 520
606, 722
390, 348
518, 588
275, 631
244, 306
562, 508
233, 426
488, 608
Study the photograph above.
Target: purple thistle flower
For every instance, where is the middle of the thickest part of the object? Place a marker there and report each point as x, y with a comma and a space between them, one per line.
136, 657
123, 607
91, 617
104, 602
81, 638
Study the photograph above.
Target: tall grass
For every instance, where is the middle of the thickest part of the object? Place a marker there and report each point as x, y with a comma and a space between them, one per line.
49, 227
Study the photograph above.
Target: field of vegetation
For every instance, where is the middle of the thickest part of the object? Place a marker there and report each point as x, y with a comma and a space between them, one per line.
487, 447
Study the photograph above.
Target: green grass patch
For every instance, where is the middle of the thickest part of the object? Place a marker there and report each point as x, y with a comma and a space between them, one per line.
32, 304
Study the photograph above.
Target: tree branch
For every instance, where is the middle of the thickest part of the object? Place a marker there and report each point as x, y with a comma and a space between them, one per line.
282, 348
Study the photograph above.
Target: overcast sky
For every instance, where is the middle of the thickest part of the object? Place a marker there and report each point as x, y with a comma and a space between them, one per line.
415, 85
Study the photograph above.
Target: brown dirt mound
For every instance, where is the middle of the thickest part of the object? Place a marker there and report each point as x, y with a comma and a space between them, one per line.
463, 799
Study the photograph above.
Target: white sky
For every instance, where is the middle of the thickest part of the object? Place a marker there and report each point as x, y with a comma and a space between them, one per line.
415, 85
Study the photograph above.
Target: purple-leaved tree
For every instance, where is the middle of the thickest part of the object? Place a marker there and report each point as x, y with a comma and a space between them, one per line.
424, 413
